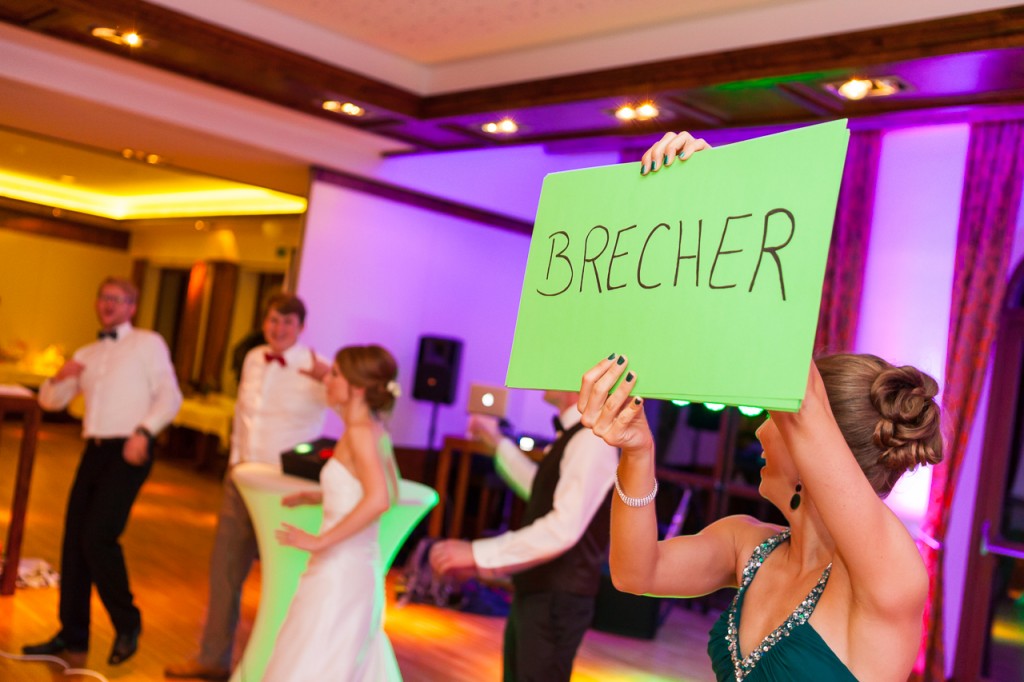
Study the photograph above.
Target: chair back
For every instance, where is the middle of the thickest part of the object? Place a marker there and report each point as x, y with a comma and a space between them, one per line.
415, 500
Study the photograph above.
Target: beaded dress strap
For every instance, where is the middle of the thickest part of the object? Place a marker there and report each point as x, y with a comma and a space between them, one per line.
743, 667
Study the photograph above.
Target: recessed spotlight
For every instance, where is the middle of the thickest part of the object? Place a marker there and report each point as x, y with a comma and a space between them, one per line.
625, 113
112, 35
646, 111
641, 112
859, 88
855, 88
347, 108
505, 126
140, 155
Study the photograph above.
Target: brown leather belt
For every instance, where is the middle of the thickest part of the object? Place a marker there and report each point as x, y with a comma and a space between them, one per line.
97, 442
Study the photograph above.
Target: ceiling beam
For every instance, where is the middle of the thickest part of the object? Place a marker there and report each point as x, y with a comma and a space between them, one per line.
1001, 28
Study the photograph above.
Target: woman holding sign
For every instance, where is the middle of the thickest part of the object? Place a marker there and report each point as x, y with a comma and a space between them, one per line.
839, 593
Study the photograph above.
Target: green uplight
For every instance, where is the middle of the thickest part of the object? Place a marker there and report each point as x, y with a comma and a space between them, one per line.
303, 448
714, 407
680, 403
750, 411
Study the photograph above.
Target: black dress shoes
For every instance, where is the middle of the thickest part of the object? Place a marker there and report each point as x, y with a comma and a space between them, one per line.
57, 645
125, 645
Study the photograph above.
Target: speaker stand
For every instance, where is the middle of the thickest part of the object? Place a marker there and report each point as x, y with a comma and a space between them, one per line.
433, 429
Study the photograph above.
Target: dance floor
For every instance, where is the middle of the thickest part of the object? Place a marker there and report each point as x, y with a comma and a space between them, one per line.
168, 543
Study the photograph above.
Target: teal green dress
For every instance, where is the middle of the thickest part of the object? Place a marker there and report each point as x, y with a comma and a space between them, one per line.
793, 652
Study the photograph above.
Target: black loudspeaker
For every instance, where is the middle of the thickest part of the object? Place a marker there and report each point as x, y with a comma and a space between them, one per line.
437, 369
625, 614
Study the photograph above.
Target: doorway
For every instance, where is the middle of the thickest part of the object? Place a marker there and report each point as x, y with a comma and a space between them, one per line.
990, 644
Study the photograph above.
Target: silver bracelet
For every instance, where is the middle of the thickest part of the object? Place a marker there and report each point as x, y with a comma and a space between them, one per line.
635, 501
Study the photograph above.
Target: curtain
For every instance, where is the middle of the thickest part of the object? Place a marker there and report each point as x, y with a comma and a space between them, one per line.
988, 215
847, 254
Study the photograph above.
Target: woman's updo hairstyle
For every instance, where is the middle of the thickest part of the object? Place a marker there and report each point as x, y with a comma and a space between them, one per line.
887, 414
374, 369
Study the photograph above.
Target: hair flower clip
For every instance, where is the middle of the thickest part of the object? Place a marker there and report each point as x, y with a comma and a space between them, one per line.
394, 389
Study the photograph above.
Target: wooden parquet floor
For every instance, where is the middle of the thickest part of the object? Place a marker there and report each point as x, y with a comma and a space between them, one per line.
168, 543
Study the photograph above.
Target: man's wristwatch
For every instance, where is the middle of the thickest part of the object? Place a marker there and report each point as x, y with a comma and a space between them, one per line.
143, 431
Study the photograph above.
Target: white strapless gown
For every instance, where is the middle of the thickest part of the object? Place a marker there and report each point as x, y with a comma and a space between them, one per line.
334, 630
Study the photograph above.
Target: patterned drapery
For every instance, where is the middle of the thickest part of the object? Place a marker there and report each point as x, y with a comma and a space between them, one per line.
988, 215
847, 254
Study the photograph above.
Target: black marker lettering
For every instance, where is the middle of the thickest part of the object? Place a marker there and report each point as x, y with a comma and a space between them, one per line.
616, 254
560, 255
696, 254
718, 253
640, 263
774, 250
591, 260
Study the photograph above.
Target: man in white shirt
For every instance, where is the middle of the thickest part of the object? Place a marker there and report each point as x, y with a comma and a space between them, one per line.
281, 402
131, 394
557, 556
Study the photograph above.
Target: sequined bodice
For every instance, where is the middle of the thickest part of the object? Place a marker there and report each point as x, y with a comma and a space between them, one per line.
793, 651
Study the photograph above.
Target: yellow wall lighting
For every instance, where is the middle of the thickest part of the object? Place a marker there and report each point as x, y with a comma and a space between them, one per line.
230, 201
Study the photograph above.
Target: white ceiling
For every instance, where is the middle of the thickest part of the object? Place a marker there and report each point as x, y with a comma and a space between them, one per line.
432, 33
54, 88
402, 41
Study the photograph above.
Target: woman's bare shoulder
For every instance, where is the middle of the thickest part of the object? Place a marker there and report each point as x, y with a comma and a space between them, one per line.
745, 532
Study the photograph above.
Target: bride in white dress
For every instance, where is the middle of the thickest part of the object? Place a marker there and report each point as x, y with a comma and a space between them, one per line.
334, 629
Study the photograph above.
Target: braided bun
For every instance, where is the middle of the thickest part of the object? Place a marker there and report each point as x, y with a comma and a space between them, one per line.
888, 415
909, 418
372, 368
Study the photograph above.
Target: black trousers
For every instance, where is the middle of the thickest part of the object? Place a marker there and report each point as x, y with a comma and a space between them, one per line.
542, 634
101, 499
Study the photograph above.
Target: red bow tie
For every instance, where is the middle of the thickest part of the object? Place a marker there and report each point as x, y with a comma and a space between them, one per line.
274, 357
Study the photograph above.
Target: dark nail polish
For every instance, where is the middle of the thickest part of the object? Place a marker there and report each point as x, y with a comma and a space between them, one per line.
621, 360
612, 356
636, 401
643, 169
666, 160
629, 376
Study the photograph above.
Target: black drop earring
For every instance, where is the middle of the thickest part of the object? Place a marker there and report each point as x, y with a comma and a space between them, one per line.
794, 501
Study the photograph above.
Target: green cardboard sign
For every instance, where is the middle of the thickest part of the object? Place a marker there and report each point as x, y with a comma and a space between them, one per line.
707, 274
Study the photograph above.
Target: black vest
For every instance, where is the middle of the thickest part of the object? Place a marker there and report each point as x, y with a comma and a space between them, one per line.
577, 571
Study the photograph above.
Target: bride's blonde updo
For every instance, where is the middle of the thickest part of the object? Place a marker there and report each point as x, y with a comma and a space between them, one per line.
887, 414
373, 368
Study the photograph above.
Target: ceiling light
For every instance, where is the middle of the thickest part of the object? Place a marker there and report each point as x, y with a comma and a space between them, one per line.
112, 35
641, 112
625, 113
855, 88
343, 107
140, 155
202, 199
646, 111
859, 88
505, 126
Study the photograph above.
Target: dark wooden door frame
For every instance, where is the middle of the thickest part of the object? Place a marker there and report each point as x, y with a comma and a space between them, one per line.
1001, 427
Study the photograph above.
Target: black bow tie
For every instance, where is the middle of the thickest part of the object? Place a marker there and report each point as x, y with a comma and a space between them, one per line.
112, 335
557, 423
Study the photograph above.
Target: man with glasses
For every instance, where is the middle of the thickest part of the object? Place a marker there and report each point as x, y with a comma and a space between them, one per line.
131, 394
